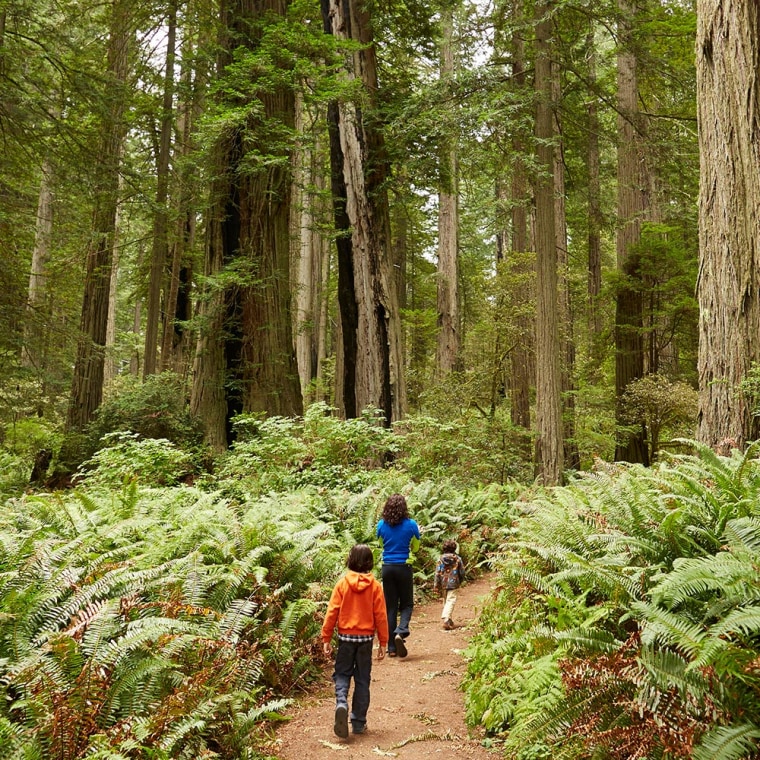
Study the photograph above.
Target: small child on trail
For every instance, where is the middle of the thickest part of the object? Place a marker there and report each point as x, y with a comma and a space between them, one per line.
357, 609
449, 575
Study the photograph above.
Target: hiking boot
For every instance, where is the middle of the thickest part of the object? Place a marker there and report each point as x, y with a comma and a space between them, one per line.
448, 625
341, 722
400, 646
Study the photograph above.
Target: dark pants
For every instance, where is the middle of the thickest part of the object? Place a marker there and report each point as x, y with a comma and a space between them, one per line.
398, 588
353, 660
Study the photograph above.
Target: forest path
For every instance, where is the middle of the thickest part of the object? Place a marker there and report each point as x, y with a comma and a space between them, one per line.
417, 709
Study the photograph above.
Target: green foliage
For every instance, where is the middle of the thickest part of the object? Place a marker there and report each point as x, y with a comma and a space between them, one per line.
640, 588
661, 406
125, 456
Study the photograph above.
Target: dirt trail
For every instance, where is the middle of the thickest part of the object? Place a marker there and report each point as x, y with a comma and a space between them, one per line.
417, 710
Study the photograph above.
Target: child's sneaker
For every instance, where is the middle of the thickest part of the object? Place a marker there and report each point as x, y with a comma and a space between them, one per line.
400, 646
341, 722
448, 625
357, 727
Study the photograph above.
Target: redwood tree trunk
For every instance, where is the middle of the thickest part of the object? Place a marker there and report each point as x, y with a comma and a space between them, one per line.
378, 379
448, 346
629, 347
728, 97
549, 441
87, 383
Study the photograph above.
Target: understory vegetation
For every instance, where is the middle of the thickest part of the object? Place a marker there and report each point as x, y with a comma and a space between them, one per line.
627, 620
157, 608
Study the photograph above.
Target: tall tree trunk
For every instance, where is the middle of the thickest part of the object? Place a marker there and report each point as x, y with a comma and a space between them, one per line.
175, 342
378, 373
629, 356
565, 311
87, 384
109, 368
594, 213
161, 215
728, 97
522, 362
549, 441
35, 335
252, 368
448, 346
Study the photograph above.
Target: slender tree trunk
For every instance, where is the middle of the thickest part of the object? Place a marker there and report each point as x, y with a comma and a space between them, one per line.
87, 384
594, 214
110, 369
728, 97
378, 372
549, 442
35, 336
448, 346
161, 216
565, 310
522, 363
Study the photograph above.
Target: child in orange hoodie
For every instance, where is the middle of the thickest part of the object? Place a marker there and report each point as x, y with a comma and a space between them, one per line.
357, 607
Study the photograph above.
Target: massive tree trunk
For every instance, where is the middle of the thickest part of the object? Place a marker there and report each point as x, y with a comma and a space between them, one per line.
728, 97
245, 360
632, 184
378, 379
160, 237
87, 384
448, 346
549, 441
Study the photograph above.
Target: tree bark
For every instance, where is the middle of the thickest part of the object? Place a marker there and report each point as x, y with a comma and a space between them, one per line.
594, 213
35, 330
629, 353
728, 97
448, 345
549, 442
378, 378
522, 361
87, 383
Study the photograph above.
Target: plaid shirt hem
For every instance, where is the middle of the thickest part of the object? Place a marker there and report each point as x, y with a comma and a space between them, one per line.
355, 639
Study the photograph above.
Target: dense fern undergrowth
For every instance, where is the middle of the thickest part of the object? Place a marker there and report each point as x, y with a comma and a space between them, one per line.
627, 619
155, 610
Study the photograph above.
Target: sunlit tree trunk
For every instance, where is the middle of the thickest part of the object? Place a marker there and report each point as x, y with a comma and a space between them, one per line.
728, 97
549, 442
36, 323
378, 379
87, 384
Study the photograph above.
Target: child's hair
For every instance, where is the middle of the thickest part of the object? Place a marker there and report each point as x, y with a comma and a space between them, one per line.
360, 559
395, 510
449, 546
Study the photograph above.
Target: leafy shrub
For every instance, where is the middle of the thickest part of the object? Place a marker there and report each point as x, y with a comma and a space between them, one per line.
126, 456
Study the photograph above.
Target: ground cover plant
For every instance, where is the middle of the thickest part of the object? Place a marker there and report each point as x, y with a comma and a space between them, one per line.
627, 620
146, 615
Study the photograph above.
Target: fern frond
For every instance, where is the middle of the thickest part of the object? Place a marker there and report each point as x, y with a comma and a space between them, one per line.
734, 742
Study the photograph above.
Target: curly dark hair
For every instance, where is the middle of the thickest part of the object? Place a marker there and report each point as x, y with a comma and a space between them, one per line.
395, 510
449, 546
360, 559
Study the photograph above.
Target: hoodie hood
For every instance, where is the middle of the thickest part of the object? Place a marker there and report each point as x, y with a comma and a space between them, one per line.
359, 581
449, 559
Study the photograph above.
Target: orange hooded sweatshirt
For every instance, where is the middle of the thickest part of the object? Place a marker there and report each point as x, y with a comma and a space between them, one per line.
357, 606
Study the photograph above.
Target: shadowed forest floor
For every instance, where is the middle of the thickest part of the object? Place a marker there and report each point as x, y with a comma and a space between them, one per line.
417, 709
